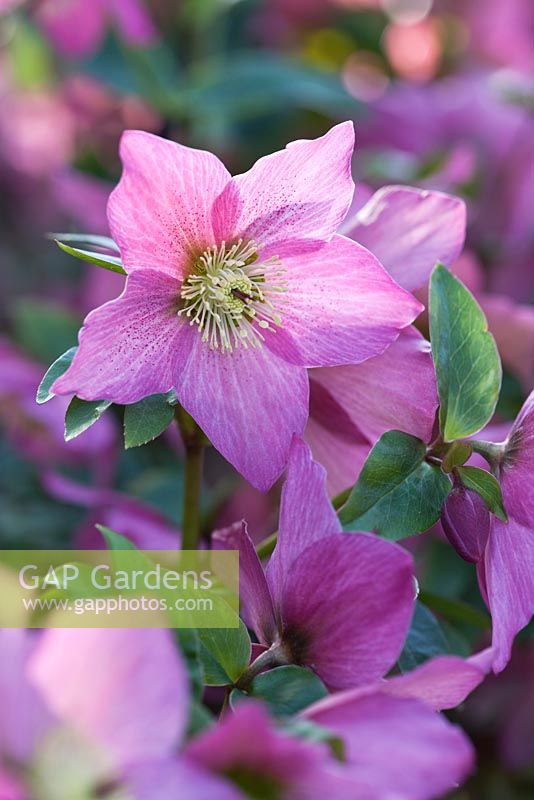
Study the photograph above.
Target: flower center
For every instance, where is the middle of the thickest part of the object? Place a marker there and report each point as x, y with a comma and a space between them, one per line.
232, 297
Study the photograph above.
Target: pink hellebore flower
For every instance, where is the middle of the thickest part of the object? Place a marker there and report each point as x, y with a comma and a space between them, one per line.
351, 406
338, 603
506, 571
139, 522
77, 27
236, 286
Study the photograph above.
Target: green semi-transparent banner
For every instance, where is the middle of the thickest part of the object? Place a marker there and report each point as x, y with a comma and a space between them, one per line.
119, 588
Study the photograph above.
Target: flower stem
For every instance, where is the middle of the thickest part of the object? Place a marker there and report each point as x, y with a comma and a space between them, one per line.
194, 442
273, 657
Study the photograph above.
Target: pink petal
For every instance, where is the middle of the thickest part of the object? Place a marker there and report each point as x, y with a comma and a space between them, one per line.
249, 403
512, 325
256, 605
25, 717
341, 306
178, 778
130, 347
346, 607
302, 192
247, 740
343, 459
133, 21
306, 514
509, 579
395, 390
105, 682
518, 466
75, 27
10, 788
398, 747
442, 682
161, 212
409, 230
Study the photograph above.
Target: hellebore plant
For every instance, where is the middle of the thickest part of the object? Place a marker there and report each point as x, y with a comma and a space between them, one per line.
235, 287
63, 738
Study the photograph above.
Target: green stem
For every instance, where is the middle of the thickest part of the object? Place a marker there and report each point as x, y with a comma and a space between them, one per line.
273, 657
194, 443
266, 547
493, 453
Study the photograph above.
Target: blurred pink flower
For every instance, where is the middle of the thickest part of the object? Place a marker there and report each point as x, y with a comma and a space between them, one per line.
235, 287
77, 27
303, 606
37, 430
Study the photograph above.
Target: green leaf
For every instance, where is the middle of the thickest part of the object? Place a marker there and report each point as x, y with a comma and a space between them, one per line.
425, 640
398, 492
146, 420
44, 328
466, 358
286, 690
114, 540
224, 653
81, 414
92, 239
112, 263
457, 454
54, 372
487, 486
189, 642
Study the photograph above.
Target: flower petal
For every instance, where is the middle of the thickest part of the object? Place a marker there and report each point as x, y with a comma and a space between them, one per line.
105, 681
398, 747
130, 347
518, 466
302, 192
161, 780
249, 403
395, 390
341, 306
25, 716
75, 28
509, 579
306, 514
347, 605
161, 212
342, 459
256, 605
443, 682
247, 740
409, 230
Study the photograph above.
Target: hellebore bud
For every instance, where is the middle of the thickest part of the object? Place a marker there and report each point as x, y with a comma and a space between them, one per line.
465, 520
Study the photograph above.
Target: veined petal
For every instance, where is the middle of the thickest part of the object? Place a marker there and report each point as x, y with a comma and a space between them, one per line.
130, 347
302, 192
249, 403
256, 605
509, 580
346, 607
409, 230
306, 514
104, 681
398, 747
518, 466
161, 212
395, 390
341, 306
